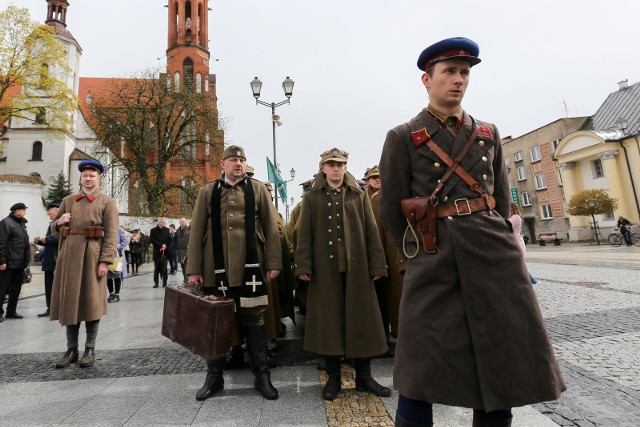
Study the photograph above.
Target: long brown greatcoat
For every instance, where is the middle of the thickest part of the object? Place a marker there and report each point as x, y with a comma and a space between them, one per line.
339, 324
471, 332
78, 294
396, 264
200, 257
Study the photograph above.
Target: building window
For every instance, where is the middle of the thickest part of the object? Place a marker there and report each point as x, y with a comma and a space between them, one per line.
596, 168
199, 83
522, 173
518, 156
188, 185
541, 182
36, 151
545, 211
177, 82
187, 73
526, 200
535, 153
608, 216
559, 177
41, 116
555, 144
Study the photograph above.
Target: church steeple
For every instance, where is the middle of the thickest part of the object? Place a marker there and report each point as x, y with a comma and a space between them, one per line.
188, 44
57, 12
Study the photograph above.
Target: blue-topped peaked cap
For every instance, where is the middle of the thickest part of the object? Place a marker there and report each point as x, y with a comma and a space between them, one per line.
91, 164
453, 48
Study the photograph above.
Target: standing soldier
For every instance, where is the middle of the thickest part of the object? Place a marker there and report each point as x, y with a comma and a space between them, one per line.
340, 254
228, 252
15, 254
471, 333
88, 224
50, 243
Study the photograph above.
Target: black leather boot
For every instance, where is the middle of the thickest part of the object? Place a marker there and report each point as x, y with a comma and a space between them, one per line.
257, 346
364, 381
236, 360
332, 387
400, 422
71, 356
214, 382
491, 419
88, 358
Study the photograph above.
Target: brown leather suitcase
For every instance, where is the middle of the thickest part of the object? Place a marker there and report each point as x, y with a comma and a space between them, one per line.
199, 322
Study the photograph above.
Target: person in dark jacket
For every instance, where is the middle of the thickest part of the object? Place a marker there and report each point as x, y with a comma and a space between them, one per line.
15, 254
50, 255
171, 250
160, 239
182, 245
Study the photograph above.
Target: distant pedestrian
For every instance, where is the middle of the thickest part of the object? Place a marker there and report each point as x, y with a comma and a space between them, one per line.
625, 228
135, 251
50, 255
115, 278
15, 254
339, 252
172, 254
515, 219
182, 247
160, 239
88, 226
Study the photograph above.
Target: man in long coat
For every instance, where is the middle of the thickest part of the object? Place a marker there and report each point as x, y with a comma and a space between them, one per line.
471, 333
339, 252
226, 201
50, 255
88, 226
15, 254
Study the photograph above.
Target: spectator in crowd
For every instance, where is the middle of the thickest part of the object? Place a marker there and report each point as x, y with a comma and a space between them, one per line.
88, 226
50, 255
172, 254
135, 249
160, 239
115, 278
15, 254
182, 246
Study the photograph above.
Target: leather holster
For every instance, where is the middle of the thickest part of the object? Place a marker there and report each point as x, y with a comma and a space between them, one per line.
421, 213
64, 231
94, 232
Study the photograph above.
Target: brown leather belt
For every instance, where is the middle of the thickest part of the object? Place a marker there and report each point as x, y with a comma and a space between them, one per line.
77, 232
461, 207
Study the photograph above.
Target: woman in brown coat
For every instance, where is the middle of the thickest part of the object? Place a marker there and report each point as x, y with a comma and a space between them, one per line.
88, 225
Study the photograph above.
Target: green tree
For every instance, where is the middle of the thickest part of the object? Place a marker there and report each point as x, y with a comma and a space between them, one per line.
145, 123
32, 70
592, 202
60, 188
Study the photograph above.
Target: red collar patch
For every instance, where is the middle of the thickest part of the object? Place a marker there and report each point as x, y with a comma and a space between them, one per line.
90, 197
420, 137
485, 131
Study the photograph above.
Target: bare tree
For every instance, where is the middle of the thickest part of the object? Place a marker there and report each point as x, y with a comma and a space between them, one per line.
148, 124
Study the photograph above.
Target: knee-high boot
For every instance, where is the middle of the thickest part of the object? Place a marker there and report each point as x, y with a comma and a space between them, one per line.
492, 419
401, 422
364, 380
257, 346
214, 382
332, 387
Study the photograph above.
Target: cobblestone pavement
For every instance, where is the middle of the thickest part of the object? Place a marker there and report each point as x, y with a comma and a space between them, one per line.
593, 318
592, 315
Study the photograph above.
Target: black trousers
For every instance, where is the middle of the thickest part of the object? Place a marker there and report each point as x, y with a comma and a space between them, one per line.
48, 286
10, 283
160, 268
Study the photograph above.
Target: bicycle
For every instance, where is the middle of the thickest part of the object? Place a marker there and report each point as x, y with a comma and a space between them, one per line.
616, 238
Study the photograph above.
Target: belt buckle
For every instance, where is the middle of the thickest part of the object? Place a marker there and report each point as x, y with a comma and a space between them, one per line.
465, 200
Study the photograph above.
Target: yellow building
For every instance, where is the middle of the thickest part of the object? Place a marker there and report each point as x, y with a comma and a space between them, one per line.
605, 154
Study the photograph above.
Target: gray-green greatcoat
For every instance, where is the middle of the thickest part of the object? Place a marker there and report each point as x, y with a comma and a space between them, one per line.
339, 324
78, 294
200, 256
471, 332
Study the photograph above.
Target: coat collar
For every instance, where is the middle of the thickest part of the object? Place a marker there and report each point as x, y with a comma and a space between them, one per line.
320, 181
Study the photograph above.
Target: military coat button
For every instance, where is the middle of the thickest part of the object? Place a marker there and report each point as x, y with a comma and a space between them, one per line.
481, 143
330, 256
449, 217
484, 176
330, 242
436, 164
446, 198
484, 158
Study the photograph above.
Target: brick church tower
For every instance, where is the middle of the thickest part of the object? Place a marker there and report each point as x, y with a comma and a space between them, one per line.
188, 66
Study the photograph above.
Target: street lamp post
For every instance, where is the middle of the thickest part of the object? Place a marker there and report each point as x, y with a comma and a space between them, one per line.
287, 87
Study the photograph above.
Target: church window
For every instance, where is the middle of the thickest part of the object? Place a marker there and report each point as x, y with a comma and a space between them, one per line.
187, 72
199, 83
177, 82
41, 115
36, 151
187, 186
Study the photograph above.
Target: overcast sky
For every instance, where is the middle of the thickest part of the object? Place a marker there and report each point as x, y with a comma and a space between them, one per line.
353, 63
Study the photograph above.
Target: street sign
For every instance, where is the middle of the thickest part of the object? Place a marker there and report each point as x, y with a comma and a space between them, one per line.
514, 196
